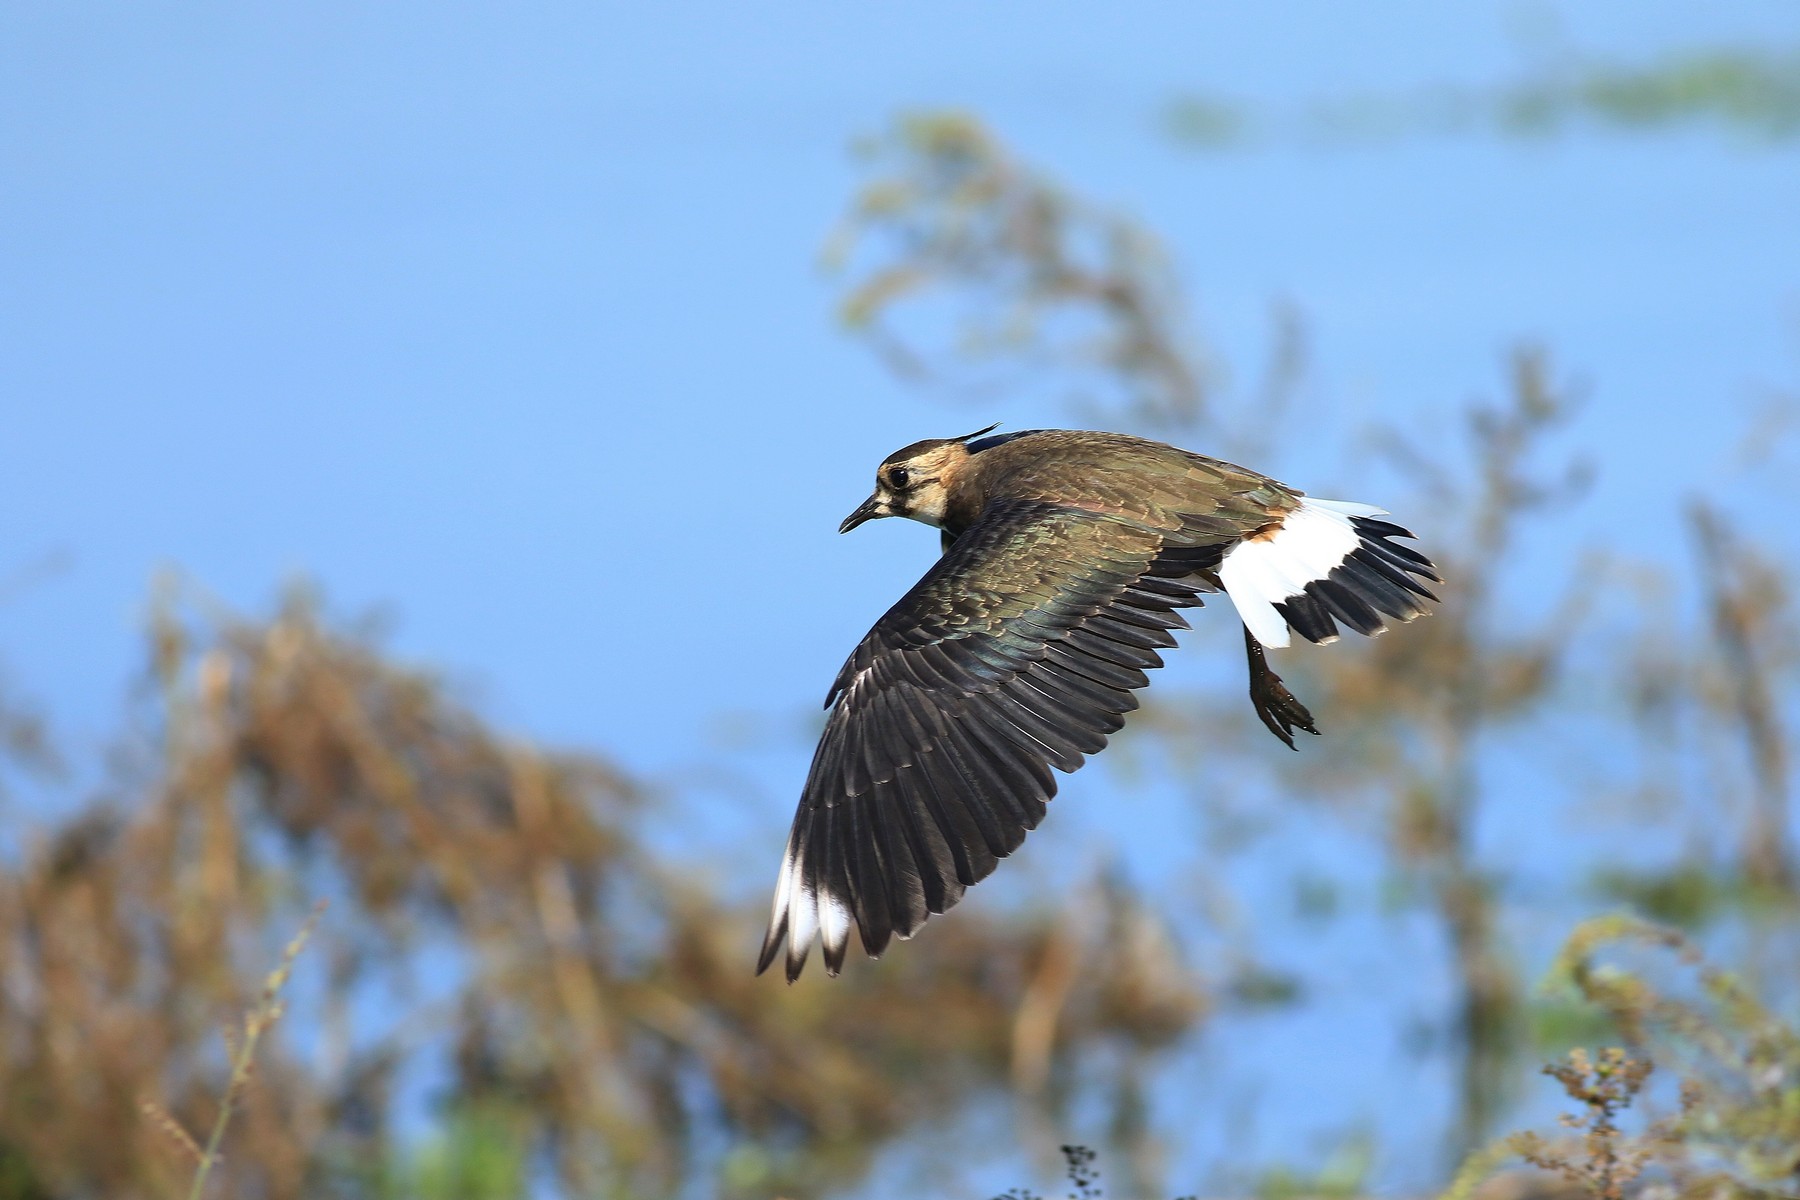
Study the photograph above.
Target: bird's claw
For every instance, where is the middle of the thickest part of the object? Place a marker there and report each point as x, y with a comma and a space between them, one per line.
1279, 710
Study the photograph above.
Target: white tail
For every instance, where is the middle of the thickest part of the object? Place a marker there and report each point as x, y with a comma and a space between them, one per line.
1310, 543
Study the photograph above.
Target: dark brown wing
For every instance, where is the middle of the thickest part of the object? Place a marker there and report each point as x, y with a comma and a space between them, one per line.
1017, 652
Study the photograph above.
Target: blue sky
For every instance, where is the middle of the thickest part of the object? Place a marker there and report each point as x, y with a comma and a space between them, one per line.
487, 319
510, 322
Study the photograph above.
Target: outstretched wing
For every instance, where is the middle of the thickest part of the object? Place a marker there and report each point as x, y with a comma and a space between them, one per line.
1017, 652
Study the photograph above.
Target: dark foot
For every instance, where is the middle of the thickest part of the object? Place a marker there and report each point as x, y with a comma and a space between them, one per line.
1273, 702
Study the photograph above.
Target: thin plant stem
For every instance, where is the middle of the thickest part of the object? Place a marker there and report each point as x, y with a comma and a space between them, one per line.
256, 1022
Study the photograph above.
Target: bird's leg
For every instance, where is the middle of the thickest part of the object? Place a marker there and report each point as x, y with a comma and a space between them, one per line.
1273, 702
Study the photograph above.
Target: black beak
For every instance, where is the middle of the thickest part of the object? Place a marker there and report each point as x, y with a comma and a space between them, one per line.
868, 510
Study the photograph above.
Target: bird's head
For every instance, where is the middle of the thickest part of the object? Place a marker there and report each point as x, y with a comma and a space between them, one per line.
915, 482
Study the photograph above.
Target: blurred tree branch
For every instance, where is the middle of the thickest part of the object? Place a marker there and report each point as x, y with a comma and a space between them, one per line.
1021, 272
1747, 598
1423, 707
601, 1011
1748, 90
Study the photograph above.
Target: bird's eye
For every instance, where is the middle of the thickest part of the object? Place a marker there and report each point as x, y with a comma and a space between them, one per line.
898, 477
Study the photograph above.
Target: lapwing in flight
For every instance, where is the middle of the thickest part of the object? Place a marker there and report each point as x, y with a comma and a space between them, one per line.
1066, 556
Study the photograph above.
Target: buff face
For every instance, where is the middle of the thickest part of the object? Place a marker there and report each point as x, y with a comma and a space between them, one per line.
915, 482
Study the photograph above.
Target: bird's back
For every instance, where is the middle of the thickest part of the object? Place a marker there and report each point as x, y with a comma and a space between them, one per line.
1192, 499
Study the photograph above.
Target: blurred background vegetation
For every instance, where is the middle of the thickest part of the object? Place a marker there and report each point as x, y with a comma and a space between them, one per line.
520, 914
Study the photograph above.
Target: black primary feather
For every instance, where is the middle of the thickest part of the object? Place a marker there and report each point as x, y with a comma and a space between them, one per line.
1017, 651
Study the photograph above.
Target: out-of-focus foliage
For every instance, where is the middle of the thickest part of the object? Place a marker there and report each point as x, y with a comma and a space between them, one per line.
1750, 91
493, 903
1418, 718
24, 739
1733, 1129
1711, 709
1738, 1061
1418, 711
1005, 275
25, 743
